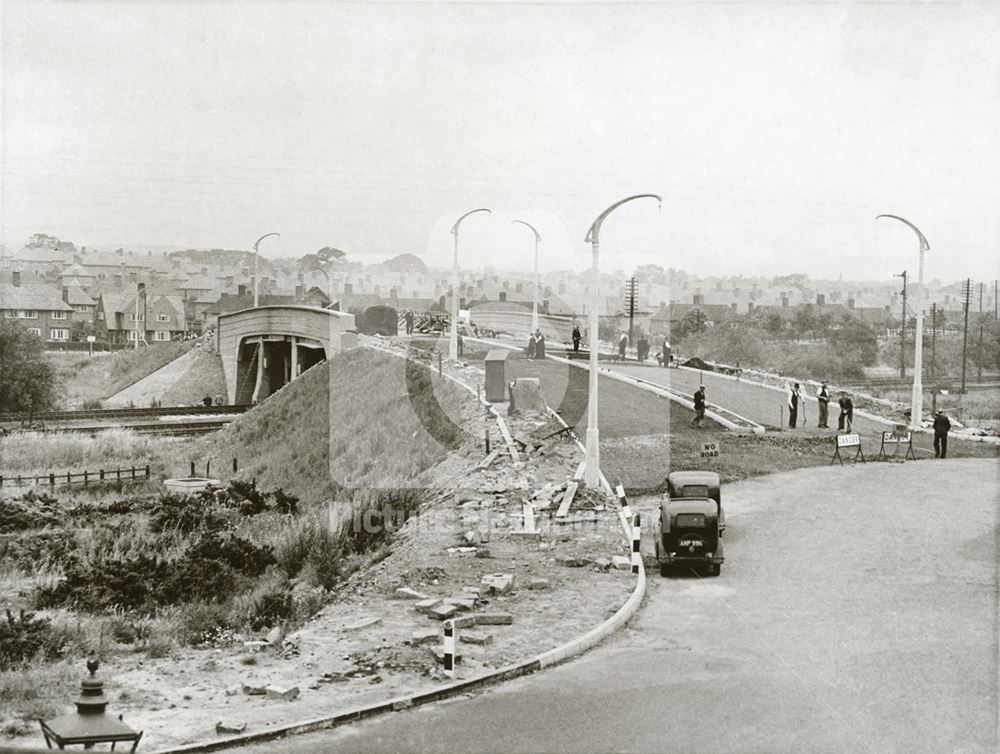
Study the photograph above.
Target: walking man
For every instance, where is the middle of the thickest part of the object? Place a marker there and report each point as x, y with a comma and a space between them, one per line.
576, 339
622, 345
941, 426
793, 405
539, 344
699, 407
666, 353
823, 396
531, 346
409, 322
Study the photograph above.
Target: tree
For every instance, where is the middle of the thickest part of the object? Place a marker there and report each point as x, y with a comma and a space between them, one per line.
855, 340
804, 322
27, 378
774, 325
693, 323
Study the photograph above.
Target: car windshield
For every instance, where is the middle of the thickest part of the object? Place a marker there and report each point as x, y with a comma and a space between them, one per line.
695, 490
692, 520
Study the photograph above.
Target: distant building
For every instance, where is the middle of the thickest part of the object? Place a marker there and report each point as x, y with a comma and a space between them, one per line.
39, 308
160, 319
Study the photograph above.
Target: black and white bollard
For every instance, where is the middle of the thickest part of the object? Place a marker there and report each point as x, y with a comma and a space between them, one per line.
623, 501
636, 540
450, 637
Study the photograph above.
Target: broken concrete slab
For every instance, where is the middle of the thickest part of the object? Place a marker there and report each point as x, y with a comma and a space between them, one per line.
425, 606
494, 619
602, 564
539, 585
531, 536
621, 562
464, 621
230, 729
476, 637
443, 611
284, 693
405, 593
497, 583
462, 602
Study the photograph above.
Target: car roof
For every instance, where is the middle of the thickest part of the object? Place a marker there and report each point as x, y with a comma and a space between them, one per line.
684, 478
689, 505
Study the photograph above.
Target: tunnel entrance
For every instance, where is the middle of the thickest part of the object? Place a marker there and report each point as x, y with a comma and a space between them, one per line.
266, 364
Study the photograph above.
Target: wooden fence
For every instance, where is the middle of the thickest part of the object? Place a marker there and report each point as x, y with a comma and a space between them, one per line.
79, 477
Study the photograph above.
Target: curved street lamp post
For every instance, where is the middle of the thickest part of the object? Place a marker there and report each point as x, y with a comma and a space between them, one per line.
917, 396
256, 271
453, 335
534, 305
592, 467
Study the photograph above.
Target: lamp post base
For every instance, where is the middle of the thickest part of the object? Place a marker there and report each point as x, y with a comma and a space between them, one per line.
592, 459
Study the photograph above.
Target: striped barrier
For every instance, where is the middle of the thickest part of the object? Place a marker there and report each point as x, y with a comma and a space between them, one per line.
449, 648
636, 542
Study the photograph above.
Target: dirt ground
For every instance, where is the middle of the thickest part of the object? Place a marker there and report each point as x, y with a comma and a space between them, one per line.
361, 648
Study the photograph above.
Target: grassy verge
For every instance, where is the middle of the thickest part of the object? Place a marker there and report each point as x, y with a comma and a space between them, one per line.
84, 379
31, 453
204, 378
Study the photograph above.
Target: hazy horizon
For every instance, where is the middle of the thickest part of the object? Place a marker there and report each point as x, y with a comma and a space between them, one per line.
774, 132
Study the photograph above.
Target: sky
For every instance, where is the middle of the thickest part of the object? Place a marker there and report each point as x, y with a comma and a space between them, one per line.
774, 132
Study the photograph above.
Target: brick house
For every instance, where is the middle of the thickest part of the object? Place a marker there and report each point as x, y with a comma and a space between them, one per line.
161, 317
39, 308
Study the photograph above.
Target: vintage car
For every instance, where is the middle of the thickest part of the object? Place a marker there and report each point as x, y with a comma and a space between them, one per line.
691, 522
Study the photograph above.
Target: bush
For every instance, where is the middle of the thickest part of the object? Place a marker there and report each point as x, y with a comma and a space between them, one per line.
25, 638
27, 378
31, 511
200, 622
186, 515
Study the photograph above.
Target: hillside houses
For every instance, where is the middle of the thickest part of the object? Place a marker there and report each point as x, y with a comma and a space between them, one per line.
153, 317
39, 308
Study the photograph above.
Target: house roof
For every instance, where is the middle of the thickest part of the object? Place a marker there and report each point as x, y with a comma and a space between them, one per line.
124, 303
76, 296
46, 298
40, 254
229, 302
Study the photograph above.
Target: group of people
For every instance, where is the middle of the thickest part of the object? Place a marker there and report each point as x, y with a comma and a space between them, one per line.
845, 421
536, 345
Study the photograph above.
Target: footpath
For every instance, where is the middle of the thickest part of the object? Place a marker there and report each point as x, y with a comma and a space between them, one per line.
155, 385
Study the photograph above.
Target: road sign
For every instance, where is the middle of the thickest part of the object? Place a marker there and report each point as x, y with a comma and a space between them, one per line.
848, 441
91, 338
710, 450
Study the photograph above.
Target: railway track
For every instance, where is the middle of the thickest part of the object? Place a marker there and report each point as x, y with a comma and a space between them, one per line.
176, 421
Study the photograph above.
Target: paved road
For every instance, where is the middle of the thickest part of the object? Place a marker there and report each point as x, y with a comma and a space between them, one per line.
856, 612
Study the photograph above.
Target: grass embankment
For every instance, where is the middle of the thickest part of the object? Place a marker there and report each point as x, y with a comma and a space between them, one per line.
203, 378
350, 422
32, 453
85, 379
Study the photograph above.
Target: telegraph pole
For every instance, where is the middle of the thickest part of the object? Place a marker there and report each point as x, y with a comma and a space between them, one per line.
631, 289
967, 294
902, 331
979, 358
